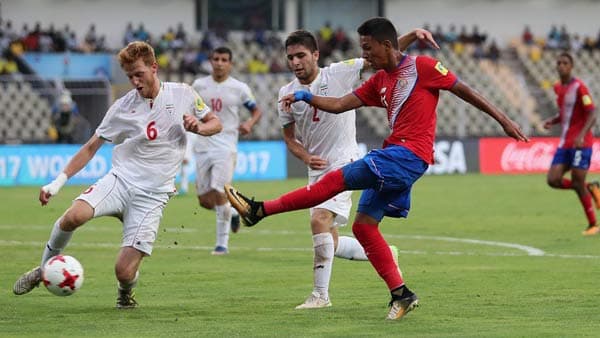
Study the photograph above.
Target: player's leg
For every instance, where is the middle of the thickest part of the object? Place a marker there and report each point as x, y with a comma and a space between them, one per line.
127, 273
323, 245
80, 212
580, 163
141, 218
331, 184
560, 165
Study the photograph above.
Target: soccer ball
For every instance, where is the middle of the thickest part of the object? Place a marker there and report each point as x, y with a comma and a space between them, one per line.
62, 275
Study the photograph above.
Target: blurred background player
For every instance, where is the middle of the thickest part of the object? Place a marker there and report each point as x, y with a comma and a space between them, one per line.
216, 155
147, 126
325, 142
408, 87
184, 174
576, 117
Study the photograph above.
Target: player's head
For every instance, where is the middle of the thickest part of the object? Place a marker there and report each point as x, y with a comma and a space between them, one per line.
379, 42
302, 54
221, 62
139, 63
564, 64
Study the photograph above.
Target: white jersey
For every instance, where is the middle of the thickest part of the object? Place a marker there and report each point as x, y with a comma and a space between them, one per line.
226, 99
150, 141
329, 136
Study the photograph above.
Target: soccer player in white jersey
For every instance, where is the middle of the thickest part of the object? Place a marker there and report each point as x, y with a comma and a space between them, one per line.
326, 142
148, 127
216, 155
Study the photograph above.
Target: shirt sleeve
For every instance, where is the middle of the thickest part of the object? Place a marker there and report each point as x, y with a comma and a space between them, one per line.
433, 74
285, 118
108, 130
368, 92
348, 71
196, 105
586, 99
248, 99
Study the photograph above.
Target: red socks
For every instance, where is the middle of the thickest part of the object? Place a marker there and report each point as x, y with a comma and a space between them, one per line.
379, 253
330, 185
566, 184
588, 208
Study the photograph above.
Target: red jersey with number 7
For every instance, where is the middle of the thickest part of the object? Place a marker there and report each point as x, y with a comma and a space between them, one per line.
574, 104
410, 95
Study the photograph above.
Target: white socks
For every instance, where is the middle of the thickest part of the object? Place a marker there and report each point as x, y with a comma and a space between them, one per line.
323, 261
350, 248
57, 242
223, 224
234, 212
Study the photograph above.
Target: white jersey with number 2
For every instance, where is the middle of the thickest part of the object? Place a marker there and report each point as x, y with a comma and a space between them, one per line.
329, 136
149, 135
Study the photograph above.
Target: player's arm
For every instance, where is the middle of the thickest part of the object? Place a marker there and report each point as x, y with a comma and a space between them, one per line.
407, 39
296, 148
246, 127
548, 123
77, 162
210, 124
334, 105
589, 123
471, 96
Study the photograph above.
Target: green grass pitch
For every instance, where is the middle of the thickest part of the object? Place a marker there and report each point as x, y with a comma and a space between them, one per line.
489, 256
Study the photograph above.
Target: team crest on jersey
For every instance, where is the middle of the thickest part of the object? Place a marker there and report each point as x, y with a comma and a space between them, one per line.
440, 68
200, 104
382, 96
169, 107
323, 89
402, 83
349, 62
587, 100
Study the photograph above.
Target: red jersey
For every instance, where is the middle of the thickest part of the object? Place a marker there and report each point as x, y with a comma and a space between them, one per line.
574, 104
410, 94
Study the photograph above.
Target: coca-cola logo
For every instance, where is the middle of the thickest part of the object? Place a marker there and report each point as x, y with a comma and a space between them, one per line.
533, 157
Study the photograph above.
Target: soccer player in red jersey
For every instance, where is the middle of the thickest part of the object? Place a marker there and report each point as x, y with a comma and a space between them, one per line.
408, 87
576, 116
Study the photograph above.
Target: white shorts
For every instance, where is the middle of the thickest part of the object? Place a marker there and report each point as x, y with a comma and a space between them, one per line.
140, 211
340, 204
214, 170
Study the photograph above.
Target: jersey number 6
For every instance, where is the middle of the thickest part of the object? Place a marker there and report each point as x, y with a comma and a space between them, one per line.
151, 131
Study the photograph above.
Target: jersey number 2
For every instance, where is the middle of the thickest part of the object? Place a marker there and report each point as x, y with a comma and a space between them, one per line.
315, 117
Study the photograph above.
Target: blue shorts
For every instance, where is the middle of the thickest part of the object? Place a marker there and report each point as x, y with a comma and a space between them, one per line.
579, 158
387, 176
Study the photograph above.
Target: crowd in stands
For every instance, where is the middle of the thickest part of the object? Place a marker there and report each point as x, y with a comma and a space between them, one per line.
561, 39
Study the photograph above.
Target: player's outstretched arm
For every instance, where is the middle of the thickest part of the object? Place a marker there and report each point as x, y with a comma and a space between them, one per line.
407, 39
77, 162
210, 124
471, 96
334, 105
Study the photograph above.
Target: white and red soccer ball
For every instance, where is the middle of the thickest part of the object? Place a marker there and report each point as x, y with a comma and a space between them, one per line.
62, 275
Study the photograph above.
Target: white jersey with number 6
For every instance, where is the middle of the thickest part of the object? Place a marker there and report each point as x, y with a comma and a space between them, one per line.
225, 99
330, 136
149, 135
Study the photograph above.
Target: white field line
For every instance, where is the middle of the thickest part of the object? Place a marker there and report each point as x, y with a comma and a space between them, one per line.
527, 250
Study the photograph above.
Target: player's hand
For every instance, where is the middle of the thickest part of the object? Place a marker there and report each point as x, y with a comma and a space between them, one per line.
513, 130
245, 128
190, 123
286, 102
578, 142
44, 196
316, 163
547, 124
425, 35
